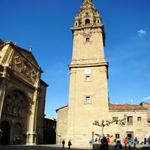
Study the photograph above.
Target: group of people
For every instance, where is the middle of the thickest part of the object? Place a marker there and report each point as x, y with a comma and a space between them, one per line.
69, 144
135, 141
147, 140
99, 140
128, 142
105, 141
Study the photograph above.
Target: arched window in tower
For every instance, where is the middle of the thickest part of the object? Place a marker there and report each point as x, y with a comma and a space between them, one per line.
88, 100
87, 39
87, 21
87, 14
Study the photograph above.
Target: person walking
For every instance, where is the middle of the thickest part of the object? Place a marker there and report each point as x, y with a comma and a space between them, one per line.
108, 140
135, 142
104, 144
145, 140
130, 142
69, 144
118, 145
63, 144
148, 140
125, 142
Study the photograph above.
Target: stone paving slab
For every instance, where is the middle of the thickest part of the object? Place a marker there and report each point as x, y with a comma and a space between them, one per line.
55, 147
38, 147
111, 147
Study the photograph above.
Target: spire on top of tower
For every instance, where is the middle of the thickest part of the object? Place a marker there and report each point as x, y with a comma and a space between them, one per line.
87, 1
88, 16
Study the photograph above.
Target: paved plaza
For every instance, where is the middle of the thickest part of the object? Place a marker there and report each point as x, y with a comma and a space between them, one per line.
37, 147
55, 147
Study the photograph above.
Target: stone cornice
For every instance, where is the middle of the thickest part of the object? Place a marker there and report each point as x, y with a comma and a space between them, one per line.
88, 65
87, 27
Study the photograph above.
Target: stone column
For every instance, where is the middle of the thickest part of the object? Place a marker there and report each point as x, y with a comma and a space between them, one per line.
31, 134
32, 121
2, 95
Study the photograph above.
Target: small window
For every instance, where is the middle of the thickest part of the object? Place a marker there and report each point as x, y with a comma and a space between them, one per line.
87, 22
114, 118
129, 120
97, 21
87, 78
87, 99
139, 119
117, 136
87, 39
87, 71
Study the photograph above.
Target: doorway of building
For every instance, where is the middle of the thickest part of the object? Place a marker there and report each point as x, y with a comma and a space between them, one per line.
17, 133
5, 133
130, 134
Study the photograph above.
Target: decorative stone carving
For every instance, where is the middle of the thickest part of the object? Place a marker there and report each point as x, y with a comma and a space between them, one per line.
21, 65
87, 32
16, 104
87, 16
6, 56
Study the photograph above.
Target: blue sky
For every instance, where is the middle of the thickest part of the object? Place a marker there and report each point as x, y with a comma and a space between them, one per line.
45, 25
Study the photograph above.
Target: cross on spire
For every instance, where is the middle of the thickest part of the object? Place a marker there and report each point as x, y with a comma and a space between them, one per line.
87, 1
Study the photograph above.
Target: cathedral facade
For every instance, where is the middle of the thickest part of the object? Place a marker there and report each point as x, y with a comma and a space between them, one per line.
89, 113
22, 96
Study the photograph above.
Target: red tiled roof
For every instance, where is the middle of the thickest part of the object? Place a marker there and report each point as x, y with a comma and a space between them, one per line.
123, 107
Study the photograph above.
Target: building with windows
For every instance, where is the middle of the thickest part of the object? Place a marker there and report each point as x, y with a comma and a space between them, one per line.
22, 96
89, 113
49, 131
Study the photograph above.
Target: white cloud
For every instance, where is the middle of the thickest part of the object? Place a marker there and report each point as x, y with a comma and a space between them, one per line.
146, 98
141, 32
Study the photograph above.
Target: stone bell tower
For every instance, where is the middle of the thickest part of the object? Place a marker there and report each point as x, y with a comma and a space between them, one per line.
88, 93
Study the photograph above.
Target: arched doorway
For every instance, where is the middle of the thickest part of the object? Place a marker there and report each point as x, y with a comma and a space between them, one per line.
5, 129
16, 109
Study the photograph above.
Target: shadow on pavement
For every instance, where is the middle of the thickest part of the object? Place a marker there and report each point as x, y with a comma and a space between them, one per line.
46, 147
49, 147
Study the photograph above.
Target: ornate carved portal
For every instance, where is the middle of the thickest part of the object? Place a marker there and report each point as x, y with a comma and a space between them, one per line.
15, 112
